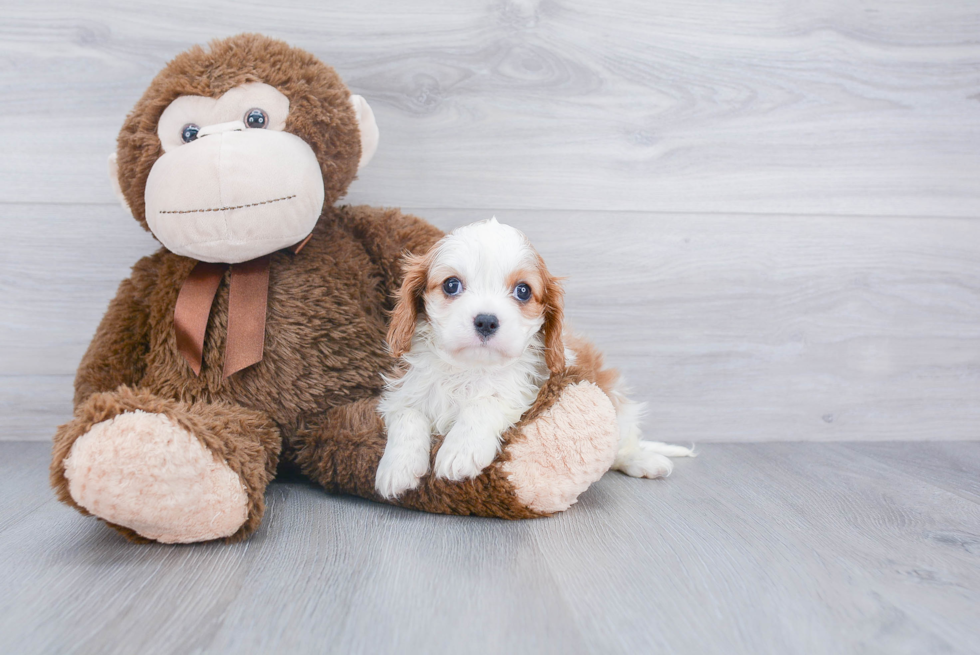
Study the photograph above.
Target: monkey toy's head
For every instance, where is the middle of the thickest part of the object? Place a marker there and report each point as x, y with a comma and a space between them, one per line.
233, 152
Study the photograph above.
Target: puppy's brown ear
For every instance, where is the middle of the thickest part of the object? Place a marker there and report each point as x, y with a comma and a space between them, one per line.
554, 321
408, 304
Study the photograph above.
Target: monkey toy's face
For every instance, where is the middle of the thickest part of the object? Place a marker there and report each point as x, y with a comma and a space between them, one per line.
231, 184
234, 176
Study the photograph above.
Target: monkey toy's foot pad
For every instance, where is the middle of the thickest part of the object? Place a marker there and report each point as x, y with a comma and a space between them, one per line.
144, 472
564, 450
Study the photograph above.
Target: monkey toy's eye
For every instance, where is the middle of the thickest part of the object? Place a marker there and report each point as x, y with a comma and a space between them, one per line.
189, 132
256, 118
522, 292
452, 286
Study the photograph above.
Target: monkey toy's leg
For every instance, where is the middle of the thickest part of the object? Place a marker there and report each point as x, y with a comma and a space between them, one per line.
163, 470
564, 443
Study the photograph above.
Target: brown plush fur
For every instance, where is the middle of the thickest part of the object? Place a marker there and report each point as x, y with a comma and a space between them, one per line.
348, 463
324, 346
313, 394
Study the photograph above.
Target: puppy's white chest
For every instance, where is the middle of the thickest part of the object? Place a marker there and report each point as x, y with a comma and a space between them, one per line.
509, 396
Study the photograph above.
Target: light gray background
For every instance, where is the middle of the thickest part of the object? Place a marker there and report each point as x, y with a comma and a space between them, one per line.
768, 211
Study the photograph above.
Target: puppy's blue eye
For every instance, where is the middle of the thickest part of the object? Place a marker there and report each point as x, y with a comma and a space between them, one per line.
452, 286
522, 292
189, 132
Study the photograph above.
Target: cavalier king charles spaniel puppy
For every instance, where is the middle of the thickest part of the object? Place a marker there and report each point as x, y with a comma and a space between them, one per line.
478, 327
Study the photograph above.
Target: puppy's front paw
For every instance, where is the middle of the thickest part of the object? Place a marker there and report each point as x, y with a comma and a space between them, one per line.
400, 469
464, 455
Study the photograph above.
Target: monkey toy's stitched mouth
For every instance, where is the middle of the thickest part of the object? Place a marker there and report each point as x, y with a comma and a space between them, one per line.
225, 209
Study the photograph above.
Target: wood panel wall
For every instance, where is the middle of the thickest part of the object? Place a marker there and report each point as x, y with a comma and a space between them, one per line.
769, 212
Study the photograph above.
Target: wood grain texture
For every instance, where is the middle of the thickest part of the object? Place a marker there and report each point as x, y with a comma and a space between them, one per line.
752, 548
767, 213
732, 328
751, 200
830, 107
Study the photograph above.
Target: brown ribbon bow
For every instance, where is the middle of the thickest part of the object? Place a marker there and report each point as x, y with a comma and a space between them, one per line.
248, 295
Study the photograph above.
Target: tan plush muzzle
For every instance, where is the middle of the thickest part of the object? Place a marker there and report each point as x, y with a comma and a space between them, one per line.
234, 194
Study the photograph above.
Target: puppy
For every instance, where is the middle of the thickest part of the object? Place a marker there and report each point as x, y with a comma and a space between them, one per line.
478, 325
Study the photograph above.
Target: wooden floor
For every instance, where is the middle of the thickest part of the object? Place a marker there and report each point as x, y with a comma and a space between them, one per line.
749, 548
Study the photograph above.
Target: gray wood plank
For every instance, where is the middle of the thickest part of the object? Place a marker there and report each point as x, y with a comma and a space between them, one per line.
732, 328
33, 406
749, 548
751, 535
952, 467
826, 107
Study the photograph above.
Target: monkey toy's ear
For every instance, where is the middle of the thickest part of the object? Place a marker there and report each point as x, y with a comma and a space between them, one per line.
114, 181
368, 128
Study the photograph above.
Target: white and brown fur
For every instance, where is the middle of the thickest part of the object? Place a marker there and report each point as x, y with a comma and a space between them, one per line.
473, 386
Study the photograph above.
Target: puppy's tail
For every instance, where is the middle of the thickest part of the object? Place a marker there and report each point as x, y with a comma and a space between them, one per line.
636, 457
633, 450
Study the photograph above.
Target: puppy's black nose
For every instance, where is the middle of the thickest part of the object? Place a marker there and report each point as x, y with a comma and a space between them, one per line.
486, 325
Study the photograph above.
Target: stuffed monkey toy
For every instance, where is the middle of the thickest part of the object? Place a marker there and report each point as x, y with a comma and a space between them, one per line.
255, 336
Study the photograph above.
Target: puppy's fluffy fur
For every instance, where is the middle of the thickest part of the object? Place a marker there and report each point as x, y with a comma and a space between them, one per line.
478, 325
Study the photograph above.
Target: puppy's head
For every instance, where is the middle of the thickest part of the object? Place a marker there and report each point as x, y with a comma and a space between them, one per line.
485, 293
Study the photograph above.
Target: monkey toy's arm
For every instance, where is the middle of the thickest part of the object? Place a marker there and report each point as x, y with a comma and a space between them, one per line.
117, 354
564, 443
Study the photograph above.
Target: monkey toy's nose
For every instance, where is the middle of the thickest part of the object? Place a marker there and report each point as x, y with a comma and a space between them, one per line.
217, 128
486, 325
